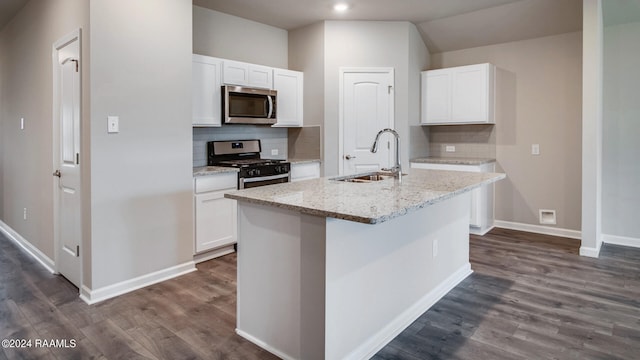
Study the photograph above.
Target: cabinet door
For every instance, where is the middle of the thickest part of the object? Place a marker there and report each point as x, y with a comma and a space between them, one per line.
436, 97
469, 94
216, 221
289, 85
260, 76
245, 74
206, 82
235, 73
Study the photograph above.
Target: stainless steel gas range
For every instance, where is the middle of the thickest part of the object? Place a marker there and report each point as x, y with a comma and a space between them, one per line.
245, 155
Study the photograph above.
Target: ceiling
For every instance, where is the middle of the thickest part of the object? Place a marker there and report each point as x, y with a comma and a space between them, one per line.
8, 9
445, 25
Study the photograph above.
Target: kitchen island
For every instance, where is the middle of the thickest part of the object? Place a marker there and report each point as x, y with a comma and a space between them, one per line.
332, 270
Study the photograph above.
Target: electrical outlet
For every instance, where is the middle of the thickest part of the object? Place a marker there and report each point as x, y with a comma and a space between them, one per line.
450, 148
274, 151
535, 149
24, 213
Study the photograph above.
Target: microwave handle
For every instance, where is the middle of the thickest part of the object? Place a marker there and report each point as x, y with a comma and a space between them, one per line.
270, 100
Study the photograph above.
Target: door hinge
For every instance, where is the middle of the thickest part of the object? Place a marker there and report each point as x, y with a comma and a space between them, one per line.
77, 250
75, 61
77, 158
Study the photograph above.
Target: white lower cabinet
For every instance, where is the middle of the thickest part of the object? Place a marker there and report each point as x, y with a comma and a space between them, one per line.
481, 217
215, 216
305, 171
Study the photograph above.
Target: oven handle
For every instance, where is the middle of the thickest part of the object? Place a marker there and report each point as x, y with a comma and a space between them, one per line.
263, 178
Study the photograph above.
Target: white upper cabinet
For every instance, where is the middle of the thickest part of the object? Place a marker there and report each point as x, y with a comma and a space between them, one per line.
206, 82
209, 74
289, 85
459, 95
245, 74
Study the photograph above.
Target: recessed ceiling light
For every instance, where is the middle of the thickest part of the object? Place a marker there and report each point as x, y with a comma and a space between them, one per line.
341, 7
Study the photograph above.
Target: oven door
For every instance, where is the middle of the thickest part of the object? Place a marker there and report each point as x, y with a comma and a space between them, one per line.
245, 183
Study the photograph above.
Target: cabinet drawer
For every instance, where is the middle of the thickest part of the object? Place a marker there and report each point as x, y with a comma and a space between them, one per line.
223, 181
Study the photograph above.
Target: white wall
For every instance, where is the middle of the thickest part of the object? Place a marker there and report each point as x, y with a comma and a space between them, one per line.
372, 44
26, 90
419, 60
592, 128
541, 106
621, 132
306, 53
230, 37
141, 178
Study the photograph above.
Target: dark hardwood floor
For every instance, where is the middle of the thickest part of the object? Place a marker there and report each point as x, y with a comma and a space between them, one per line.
530, 297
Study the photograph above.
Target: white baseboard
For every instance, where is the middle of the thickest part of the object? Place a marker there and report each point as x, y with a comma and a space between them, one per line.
539, 229
621, 240
94, 296
198, 258
480, 231
406, 318
35, 253
264, 345
590, 251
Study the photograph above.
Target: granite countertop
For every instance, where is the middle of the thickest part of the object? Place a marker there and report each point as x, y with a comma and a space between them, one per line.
453, 161
369, 203
212, 170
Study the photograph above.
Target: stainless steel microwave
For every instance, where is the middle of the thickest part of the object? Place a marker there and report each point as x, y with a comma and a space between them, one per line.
245, 105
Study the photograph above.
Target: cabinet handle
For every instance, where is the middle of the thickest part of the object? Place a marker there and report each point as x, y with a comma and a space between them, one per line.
349, 157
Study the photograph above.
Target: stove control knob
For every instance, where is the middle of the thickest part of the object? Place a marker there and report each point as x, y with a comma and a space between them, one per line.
278, 169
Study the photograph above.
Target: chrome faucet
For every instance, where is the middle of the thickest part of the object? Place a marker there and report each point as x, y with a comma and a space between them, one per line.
397, 169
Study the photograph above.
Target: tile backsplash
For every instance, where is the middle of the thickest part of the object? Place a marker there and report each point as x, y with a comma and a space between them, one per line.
475, 141
271, 139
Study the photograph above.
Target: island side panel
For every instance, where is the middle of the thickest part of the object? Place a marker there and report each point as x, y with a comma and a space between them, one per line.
281, 280
380, 278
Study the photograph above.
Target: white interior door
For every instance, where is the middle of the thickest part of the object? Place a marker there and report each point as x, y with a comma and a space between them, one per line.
67, 156
366, 107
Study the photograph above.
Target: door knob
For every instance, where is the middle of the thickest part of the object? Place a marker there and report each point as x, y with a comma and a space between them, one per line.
349, 157
57, 173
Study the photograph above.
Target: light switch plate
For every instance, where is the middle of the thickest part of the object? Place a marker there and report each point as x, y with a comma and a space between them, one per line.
21, 123
113, 124
450, 148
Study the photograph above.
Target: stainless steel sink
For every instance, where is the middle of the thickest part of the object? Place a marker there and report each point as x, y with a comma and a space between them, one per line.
366, 177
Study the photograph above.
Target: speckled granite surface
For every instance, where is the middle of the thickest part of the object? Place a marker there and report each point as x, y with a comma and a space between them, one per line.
369, 203
212, 170
453, 161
